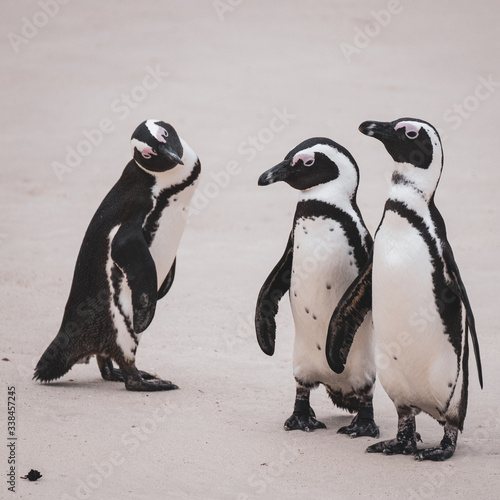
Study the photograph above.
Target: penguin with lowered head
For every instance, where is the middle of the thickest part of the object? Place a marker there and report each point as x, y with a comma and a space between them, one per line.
127, 261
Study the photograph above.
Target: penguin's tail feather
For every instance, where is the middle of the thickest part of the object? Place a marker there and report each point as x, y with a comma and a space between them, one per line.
55, 361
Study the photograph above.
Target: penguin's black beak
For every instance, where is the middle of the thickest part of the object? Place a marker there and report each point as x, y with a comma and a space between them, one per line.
380, 130
170, 154
277, 173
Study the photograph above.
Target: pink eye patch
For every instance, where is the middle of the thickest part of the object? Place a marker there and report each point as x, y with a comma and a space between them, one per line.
307, 159
411, 130
161, 134
147, 152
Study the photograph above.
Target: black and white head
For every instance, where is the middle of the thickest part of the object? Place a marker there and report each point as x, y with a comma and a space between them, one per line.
415, 147
156, 146
315, 163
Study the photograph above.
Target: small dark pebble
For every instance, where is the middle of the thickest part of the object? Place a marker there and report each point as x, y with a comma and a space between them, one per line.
33, 475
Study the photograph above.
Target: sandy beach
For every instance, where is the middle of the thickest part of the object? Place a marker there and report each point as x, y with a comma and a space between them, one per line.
243, 82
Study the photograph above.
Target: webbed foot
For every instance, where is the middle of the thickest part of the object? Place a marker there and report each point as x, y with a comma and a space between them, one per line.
393, 447
149, 385
406, 438
363, 423
137, 380
108, 371
112, 374
304, 422
446, 448
360, 427
303, 417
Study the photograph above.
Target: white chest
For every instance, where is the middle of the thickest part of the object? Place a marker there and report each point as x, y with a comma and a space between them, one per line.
414, 355
402, 274
323, 267
171, 226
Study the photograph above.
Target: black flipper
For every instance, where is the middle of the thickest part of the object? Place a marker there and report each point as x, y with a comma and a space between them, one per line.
131, 254
273, 289
347, 318
461, 292
167, 282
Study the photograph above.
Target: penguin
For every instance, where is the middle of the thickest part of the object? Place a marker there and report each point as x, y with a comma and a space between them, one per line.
421, 313
328, 245
127, 261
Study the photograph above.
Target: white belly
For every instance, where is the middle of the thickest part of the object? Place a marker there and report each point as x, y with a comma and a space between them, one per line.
171, 225
323, 267
415, 361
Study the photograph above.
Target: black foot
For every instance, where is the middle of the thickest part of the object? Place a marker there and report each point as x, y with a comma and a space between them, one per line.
360, 427
148, 376
406, 438
446, 448
112, 374
305, 423
108, 371
436, 454
136, 380
393, 447
149, 385
303, 417
115, 375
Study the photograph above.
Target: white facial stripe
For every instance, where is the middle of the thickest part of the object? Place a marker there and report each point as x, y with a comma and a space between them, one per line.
145, 149
318, 148
340, 189
412, 129
307, 158
147, 152
336, 156
159, 133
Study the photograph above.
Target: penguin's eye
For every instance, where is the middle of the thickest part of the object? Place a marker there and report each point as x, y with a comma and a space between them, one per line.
411, 129
146, 153
307, 159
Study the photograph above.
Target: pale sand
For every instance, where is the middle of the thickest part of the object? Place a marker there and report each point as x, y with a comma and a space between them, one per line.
221, 435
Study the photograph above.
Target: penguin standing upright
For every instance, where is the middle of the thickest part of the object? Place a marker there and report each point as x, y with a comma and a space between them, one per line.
421, 312
328, 245
127, 261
